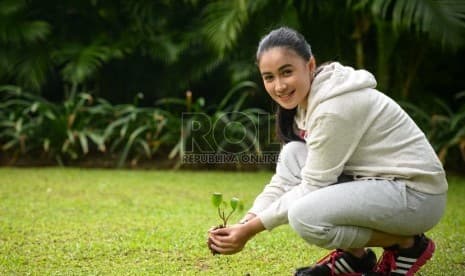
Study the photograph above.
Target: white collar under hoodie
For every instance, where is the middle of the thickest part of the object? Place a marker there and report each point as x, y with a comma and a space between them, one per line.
353, 129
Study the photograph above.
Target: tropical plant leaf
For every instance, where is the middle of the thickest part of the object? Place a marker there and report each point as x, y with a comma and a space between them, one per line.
442, 21
129, 144
81, 62
83, 141
145, 146
249, 85
223, 22
15, 28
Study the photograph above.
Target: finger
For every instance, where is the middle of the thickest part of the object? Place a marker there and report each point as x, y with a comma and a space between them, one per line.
225, 250
219, 249
220, 241
212, 240
209, 245
221, 231
223, 239
212, 228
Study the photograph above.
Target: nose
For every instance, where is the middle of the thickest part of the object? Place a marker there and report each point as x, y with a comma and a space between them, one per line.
280, 86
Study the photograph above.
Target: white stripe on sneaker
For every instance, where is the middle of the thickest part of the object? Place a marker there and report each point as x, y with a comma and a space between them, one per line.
333, 268
340, 267
403, 265
405, 259
400, 271
346, 265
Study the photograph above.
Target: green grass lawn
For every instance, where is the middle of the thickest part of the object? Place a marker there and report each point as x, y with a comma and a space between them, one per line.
81, 221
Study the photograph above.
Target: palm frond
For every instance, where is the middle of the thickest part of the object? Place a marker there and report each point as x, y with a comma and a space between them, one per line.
32, 68
442, 21
27, 66
16, 28
165, 48
223, 23
8, 7
83, 61
17, 31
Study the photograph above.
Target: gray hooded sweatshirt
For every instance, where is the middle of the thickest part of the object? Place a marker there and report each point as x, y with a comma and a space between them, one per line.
352, 129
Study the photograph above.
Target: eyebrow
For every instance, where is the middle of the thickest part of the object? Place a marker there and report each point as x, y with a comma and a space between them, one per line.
279, 69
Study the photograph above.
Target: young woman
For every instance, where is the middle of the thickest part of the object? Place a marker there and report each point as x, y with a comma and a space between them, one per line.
354, 172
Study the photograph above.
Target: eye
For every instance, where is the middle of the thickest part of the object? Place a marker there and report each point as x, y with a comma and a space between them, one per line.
287, 73
268, 78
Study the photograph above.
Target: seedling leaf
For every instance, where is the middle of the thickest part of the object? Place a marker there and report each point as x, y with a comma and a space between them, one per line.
217, 198
234, 203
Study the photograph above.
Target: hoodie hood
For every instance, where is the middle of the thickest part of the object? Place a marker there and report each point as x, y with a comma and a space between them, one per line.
331, 81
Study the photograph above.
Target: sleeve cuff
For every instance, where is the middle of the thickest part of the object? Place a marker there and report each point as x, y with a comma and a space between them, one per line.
270, 220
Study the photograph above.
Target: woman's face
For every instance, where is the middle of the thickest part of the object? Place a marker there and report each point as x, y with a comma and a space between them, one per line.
287, 76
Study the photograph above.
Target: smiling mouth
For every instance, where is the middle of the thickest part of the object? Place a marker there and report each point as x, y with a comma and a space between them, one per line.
285, 96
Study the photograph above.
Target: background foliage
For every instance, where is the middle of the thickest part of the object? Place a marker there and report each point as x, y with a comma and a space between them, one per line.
96, 72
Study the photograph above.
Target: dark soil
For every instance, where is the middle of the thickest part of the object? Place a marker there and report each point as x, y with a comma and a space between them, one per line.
210, 242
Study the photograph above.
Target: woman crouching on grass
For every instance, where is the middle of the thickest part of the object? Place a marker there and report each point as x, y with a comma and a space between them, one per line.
354, 172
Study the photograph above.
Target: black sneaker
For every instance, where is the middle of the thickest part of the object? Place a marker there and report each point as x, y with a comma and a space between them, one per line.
342, 263
399, 261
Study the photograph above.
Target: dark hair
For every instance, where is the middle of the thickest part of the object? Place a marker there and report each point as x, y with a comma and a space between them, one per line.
290, 39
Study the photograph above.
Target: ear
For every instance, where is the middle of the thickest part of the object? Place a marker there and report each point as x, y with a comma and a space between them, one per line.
312, 64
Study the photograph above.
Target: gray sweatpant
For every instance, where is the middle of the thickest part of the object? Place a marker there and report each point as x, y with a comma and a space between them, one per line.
343, 215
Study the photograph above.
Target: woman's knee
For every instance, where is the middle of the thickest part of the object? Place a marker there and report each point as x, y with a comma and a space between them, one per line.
295, 219
294, 149
291, 160
311, 228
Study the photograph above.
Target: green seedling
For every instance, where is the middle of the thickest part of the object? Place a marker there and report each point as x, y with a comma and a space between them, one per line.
221, 205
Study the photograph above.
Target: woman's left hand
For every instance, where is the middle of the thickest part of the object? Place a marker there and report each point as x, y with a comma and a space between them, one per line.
232, 239
229, 240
